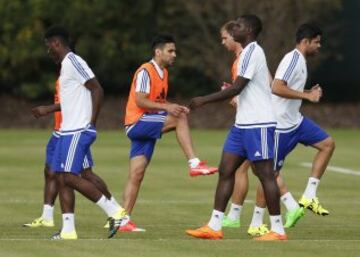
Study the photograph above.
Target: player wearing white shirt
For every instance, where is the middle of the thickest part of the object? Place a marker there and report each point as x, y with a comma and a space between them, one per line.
252, 136
80, 100
292, 127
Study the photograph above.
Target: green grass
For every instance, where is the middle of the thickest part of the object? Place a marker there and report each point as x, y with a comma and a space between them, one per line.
170, 202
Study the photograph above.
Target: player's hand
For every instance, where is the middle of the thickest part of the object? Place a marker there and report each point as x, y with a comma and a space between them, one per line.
40, 111
315, 94
317, 87
176, 110
196, 102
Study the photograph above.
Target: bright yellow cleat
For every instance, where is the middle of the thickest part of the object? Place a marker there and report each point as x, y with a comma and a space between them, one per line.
258, 231
115, 222
271, 236
64, 236
39, 222
313, 205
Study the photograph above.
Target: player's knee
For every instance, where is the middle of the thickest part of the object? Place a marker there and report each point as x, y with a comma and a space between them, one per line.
329, 145
137, 175
226, 173
266, 175
181, 119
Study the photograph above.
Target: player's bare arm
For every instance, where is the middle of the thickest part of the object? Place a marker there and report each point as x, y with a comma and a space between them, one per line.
239, 84
143, 101
43, 110
281, 89
97, 97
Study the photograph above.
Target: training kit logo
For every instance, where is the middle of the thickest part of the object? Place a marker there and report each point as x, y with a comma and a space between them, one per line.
257, 154
216, 216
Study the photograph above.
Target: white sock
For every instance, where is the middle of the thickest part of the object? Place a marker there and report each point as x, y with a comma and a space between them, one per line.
194, 162
113, 200
235, 211
215, 222
258, 217
68, 223
108, 207
310, 191
289, 202
125, 220
277, 225
48, 212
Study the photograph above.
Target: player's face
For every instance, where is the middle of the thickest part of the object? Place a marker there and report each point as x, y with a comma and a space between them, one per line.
227, 40
314, 46
240, 32
168, 54
52, 46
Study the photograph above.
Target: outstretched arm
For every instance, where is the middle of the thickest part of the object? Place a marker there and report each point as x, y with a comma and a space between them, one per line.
143, 101
43, 110
238, 86
97, 97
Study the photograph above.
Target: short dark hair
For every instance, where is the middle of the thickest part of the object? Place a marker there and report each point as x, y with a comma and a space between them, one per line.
253, 22
59, 32
160, 40
307, 31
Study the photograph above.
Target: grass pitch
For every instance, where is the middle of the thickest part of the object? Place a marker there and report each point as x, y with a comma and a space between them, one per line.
171, 202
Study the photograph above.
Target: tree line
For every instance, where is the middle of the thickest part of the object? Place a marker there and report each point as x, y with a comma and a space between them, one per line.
114, 37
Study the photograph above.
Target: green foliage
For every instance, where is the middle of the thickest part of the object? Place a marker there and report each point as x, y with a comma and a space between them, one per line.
114, 37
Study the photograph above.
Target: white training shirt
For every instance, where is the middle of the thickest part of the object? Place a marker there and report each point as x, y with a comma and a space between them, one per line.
75, 98
143, 79
254, 108
292, 69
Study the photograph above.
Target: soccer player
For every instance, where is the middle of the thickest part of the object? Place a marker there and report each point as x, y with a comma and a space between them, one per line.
50, 187
251, 137
292, 127
81, 96
241, 176
149, 114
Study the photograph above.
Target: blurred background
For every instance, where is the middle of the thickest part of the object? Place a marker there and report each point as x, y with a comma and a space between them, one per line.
114, 37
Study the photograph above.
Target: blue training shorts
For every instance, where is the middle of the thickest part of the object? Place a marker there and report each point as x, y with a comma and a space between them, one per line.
144, 133
254, 144
306, 133
72, 152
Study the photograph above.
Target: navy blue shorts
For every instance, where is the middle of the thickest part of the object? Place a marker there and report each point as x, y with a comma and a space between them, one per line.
306, 133
254, 144
144, 134
72, 152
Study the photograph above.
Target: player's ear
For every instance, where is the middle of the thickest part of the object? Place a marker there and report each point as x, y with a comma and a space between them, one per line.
157, 52
305, 41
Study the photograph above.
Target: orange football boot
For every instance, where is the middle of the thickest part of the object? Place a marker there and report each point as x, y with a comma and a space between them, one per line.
205, 232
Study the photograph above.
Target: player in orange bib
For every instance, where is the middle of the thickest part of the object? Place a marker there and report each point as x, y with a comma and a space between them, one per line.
149, 115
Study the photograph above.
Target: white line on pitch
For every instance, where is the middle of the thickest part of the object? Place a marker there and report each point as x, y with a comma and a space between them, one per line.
334, 169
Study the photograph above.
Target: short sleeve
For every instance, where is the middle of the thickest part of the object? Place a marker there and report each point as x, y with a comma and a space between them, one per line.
248, 63
142, 82
81, 71
285, 71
